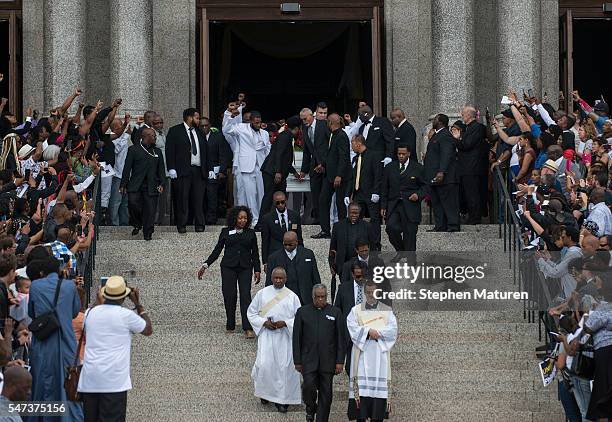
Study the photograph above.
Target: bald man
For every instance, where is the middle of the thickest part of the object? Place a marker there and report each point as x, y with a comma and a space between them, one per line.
404, 132
470, 162
300, 264
17, 387
337, 166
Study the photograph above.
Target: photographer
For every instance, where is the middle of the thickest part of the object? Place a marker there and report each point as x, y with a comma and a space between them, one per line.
105, 377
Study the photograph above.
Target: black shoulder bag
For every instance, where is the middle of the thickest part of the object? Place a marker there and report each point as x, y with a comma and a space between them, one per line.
44, 325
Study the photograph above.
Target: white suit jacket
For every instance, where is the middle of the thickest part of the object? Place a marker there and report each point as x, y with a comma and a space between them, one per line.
249, 153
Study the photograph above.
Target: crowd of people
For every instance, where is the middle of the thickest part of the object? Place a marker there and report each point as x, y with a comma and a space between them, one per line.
555, 164
363, 172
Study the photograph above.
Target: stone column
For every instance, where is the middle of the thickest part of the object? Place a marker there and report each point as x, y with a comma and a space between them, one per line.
453, 55
131, 54
64, 50
519, 46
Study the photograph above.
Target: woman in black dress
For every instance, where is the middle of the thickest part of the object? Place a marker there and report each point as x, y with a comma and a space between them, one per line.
240, 261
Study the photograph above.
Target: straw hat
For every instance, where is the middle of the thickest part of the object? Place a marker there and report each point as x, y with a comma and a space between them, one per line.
115, 288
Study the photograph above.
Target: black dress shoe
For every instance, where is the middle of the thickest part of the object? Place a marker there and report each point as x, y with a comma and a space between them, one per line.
148, 237
310, 417
264, 401
453, 230
181, 230
135, 231
199, 229
282, 408
321, 235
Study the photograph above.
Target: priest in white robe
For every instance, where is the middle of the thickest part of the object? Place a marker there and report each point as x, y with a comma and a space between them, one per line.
251, 145
373, 330
271, 314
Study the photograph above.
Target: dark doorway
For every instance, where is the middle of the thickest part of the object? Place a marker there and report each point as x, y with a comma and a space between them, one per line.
285, 66
592, 63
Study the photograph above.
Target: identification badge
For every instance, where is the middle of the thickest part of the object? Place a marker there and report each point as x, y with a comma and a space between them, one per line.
294, 227
329, 317
231, 232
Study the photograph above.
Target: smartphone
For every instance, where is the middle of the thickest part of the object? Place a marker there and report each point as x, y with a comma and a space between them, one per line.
103, 281
554, 334
530, 92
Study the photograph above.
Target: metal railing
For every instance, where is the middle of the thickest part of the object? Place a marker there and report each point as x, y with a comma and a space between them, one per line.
526, 274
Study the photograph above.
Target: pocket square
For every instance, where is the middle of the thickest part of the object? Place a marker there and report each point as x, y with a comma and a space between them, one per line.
308, 260
376, 128
331, 318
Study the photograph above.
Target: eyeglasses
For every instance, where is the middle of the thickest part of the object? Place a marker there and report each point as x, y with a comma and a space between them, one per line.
279, 202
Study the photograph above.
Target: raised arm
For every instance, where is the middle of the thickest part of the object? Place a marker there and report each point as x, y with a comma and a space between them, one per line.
68, 102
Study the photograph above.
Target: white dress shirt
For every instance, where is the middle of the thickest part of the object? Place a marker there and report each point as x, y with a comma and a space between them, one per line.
122, 144
291, 254
400, 125
284, 216
367, 127
195, 159
356, 288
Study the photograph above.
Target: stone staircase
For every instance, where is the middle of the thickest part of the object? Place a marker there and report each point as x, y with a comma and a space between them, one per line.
472, 365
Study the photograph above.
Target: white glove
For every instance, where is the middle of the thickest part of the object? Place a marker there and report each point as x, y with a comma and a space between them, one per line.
375, 198
172, 174
347, 201
386, 161
211, 175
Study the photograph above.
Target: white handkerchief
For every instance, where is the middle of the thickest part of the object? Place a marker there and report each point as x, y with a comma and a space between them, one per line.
331, 318
217, 169
506, 100
308, 259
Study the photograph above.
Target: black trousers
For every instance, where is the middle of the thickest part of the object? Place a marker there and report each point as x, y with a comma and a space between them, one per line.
316, 184
189, 194
445, 204
141, 208
164, 204
325, 197
402, 232
211, 200
470, 189
105, 407
230, 278
375, 219
317, 393
269, 188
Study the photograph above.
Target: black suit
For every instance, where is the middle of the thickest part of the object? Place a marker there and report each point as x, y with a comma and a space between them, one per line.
469, 168
216, 154
302, 272
344, 236
315, 153
240, 260
279, 160
402, 215
381, 136
345, 301
143, 173
318, 345
190, 184
337, 164
406, 135
272, 232
441, 156
369, 184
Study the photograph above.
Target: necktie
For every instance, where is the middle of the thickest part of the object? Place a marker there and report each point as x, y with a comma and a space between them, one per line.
359, 299
282, 223
402, 168
330, 139
311, 131
194, 148
363, 126
358, 177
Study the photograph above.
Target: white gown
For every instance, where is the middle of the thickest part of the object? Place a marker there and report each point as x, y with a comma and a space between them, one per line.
274, 374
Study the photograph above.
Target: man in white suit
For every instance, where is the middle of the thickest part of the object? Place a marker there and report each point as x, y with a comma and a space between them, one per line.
250, 144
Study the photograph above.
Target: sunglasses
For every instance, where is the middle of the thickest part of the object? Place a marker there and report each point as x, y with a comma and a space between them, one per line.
279, 202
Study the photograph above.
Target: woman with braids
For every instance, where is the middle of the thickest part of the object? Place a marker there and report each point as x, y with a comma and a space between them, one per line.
240, 261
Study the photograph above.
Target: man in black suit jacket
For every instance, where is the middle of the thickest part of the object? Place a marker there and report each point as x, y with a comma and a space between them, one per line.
404, 132
186, 157
378, 133
402, 193
319, 349
440, 173
337, 173
469, 162
371, 261
218, 161
279, 163
364, 186
315, 133
345, 235
299, 264
143, 179
275, 224
350, 294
